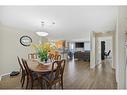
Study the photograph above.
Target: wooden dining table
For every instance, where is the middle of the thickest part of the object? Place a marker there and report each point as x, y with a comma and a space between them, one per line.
39, 67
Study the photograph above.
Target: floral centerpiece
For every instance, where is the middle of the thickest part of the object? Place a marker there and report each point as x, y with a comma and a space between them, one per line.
43, 49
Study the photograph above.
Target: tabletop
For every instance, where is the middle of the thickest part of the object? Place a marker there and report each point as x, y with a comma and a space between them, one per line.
36, 66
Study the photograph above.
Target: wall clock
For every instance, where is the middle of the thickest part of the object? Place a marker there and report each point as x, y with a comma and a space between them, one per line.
25, 40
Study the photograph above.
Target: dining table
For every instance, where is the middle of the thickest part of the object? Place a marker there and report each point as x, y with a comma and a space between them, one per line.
40, 67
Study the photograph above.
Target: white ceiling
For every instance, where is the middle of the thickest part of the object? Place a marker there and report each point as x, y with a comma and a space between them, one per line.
72, 22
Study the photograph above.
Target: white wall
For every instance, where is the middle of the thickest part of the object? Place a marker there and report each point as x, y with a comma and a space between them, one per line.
1, 47
87, 46
98, 51
10, 48
120, 47
79, 49
114, 50
92, 52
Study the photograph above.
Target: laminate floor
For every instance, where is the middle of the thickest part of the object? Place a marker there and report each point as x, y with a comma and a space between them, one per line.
77, 75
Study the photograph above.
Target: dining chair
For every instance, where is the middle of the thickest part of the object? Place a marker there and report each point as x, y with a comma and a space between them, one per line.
31, 76
56, 74
32, 56
22, 71
51, 57
107, 54
57, 57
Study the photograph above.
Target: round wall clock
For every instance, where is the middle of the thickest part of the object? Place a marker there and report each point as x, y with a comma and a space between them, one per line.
25, 40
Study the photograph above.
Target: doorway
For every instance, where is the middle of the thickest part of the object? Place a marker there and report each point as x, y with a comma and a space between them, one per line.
102, 47
105, 49
102, 50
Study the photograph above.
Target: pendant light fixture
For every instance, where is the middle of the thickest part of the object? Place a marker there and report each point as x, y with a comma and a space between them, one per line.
42, 33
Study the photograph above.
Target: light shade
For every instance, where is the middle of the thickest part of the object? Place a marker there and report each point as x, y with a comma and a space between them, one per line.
42, 33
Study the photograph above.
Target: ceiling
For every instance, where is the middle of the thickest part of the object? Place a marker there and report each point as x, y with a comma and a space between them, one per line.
71, 22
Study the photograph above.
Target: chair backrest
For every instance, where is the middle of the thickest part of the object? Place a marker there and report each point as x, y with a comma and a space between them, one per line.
63, 66
109, 52
28, 71
21, 65
57, 57
51, 57
32, 56
57, 70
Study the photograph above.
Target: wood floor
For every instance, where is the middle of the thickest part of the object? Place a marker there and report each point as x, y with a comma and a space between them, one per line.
78, 75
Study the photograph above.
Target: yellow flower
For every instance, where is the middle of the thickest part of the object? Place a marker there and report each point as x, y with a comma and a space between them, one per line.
45, 46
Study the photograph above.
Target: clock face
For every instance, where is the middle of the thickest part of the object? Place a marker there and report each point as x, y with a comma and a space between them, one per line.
25, 40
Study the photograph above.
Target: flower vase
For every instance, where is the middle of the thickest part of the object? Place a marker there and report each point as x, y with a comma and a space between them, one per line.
43, 61
46, 60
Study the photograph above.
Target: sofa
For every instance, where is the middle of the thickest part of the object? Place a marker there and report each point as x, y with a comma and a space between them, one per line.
82, 55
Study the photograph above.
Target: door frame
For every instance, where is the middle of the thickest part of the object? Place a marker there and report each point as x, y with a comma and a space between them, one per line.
93, 55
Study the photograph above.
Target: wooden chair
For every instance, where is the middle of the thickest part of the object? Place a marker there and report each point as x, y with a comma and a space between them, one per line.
56, 75
51, 57
57, 57
32, 56
31, 76
22, 71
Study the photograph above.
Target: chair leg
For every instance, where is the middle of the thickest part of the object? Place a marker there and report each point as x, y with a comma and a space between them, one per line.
22, 77
27, 82
32, 84
62, 83
23, 80
39, 82
50, 87
59, 84
55, 86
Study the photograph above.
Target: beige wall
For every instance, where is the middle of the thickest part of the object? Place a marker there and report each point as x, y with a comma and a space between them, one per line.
10, 48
